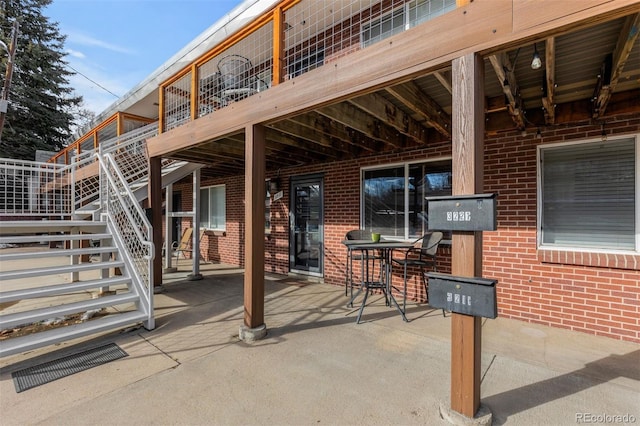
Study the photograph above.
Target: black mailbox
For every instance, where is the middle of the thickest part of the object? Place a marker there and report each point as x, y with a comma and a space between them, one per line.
470, 296
463, 213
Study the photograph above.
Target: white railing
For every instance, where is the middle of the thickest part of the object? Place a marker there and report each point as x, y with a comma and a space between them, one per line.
44, 189
28, 188
130, 228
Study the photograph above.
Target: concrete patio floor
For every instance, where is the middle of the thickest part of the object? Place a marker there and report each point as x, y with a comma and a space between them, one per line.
317, 366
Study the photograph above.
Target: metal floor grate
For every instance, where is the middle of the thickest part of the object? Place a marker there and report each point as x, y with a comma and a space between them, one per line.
53, 370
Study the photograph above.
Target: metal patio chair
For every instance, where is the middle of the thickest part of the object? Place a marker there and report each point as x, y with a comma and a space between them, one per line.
422, 256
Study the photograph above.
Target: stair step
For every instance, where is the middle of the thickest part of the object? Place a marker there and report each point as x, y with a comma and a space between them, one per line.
18, 319
42, 226
55, 253
53, 290
20, 344
54, 270
52, 237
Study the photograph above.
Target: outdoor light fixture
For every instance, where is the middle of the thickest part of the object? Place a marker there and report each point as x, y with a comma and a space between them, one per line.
536, 62
274, 185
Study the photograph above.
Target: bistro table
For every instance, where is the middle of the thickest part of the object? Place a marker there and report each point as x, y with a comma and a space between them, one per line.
385, 248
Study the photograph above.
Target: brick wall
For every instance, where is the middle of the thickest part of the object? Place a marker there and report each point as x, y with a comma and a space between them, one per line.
588, 292
592, 293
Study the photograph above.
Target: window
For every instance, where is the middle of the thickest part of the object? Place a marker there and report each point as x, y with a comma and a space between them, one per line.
589, 195
394, 198
383, 27
424, 10
403, 18
213, 207
306, 62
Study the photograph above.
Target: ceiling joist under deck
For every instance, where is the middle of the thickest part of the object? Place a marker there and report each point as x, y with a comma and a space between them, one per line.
360, 121
611, 71
307, 137
549, 86
412, 96
505, 73
335, 129
383, 110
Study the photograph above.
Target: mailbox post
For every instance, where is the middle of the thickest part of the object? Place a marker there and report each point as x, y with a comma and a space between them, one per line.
464, 296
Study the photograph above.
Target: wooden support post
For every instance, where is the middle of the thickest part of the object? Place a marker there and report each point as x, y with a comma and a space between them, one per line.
254, 193
155, 201
466, 253
278, 45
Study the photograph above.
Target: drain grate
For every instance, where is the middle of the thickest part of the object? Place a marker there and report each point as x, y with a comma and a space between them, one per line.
53, 370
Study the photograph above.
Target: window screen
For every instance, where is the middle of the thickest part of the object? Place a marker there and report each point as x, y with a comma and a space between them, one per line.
589, 195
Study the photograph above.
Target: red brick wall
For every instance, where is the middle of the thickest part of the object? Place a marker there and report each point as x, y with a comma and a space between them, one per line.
597, 294
588, 292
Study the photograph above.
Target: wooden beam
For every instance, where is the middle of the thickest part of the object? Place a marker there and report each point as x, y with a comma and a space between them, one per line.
569, 112
445, 80
299, 148
362, 122
155, 200
386, 111
466, 249
254, 195
506, 77
608, 80
278, 46
285, 151
549, 81
337, 130
414, 97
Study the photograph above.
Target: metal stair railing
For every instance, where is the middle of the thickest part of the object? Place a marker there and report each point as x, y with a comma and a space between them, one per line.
29, 188
131, 230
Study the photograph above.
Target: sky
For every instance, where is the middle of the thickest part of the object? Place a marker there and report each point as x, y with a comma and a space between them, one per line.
115, 44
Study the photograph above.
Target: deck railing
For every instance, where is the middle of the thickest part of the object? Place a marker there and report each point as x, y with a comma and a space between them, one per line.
292, 39
28, 188
117, 126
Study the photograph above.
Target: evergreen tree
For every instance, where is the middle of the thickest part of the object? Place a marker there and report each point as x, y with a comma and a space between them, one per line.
40, 99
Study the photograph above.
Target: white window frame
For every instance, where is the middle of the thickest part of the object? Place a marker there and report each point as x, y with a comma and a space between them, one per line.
406, 165
555, 247
208, 227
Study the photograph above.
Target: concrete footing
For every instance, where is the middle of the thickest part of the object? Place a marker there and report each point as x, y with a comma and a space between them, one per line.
170, 270
194, 277
483, 417
247, 334
158, 289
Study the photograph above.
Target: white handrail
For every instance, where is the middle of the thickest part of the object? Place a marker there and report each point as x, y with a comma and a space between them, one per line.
143, 239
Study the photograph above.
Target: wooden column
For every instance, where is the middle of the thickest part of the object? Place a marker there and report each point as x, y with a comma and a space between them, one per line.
254, 193
155, 201
466, 253
278, 46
